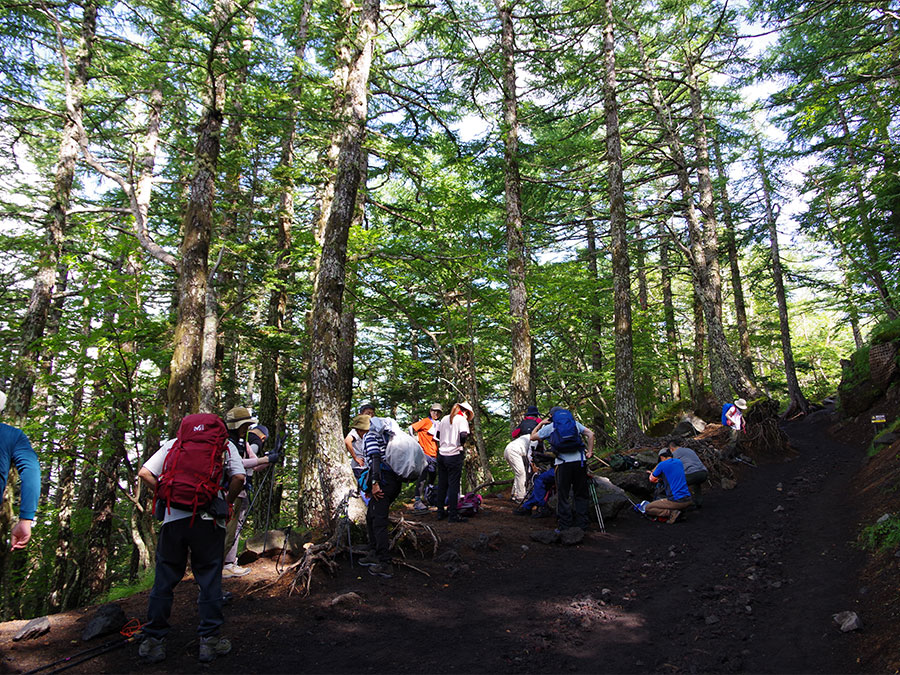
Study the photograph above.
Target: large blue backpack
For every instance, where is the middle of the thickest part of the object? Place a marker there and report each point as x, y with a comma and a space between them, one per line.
565, 437
725, 408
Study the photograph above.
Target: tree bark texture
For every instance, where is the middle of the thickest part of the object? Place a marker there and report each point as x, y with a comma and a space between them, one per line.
601, 409
627, 425
325, 474
520, 331
669, 312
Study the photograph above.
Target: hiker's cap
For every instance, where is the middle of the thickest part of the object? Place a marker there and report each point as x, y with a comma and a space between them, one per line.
437, 406
366, 406
2, 401
465, 406
361, 422
236, 417
532, 411
741, 403
261, 429
664, 451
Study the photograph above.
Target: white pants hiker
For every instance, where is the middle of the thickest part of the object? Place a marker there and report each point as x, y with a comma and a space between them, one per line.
516, 454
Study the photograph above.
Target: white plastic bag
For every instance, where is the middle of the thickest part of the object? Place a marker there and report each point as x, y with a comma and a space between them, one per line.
404, 454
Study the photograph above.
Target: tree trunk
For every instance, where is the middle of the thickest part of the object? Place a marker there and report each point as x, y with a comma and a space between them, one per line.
21, 387
798, 402
325, 474
737, 287
640, 267
699, 349
601, 409
520, 331
669, 312
627, 426
706, 288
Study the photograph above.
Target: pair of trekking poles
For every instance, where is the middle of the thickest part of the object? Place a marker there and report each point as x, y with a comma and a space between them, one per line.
279, 444
594, 499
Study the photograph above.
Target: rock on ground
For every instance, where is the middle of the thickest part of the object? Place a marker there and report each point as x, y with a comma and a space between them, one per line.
33, 629
107, 619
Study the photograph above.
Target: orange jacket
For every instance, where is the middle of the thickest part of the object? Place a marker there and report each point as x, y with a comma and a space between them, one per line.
428, 442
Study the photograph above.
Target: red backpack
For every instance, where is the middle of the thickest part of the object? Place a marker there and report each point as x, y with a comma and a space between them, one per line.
192, 471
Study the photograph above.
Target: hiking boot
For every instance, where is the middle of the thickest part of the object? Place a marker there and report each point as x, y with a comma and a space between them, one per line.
382, 569
212, 646
152, 650
369, 559
521, 511
673, 517
543, 512
234, 570
420, 506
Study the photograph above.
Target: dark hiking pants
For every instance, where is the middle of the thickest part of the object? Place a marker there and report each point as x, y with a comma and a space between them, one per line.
572, 476
449, 475
206, 543
378, 512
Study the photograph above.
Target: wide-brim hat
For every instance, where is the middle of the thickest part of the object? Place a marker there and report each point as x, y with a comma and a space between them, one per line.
237, 417
532, 411
465, 406
741, 403
361, 422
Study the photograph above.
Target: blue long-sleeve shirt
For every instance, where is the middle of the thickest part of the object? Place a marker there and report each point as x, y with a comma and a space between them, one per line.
15, 449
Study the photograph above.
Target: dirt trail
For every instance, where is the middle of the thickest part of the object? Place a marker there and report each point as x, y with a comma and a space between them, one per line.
748, 584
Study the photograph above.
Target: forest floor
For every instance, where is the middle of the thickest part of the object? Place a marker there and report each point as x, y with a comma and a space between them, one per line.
747, 584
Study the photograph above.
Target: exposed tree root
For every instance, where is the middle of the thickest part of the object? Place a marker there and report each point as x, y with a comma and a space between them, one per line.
419, 536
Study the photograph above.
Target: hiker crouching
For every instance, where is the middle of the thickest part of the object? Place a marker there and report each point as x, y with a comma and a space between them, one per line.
383, 487
564, 434
678, 495
189, 473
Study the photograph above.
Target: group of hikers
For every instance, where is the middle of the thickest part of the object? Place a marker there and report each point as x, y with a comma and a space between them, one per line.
202, 476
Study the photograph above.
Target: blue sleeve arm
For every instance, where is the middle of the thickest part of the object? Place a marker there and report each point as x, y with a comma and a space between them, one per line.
30, 474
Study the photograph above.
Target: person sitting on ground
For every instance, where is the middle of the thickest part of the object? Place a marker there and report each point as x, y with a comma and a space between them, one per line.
16, 449
249, 441
384, 486
542, 488
200, 533
354, 442
678, 496
695, 473
426, 431
518, 452
453, 432
733, 418
565, 434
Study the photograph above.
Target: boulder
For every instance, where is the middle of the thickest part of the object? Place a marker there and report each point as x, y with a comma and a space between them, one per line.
33, 629
612, 499
571, 536
349, 599
274, 541
545, 536
684, 429
107, 619
647, 458
634, 482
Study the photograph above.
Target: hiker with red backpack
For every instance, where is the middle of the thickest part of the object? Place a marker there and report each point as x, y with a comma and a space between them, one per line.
248, 437
453, 431
518, 452
196, 476
426, 430
564, 434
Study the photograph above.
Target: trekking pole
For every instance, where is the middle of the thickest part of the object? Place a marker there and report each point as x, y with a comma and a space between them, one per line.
279, 442
597, 506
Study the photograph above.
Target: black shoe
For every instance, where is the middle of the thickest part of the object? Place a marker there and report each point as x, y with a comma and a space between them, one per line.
457, 519
385, 570
442, 515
